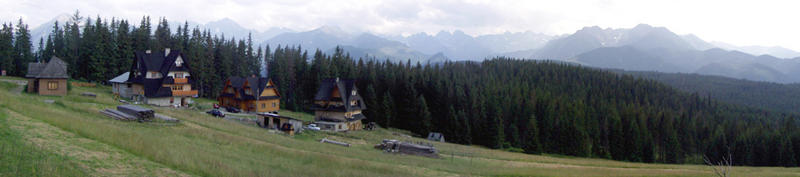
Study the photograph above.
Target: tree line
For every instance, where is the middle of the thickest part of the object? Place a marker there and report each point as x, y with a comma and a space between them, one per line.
98, 49
517, 105
546, 107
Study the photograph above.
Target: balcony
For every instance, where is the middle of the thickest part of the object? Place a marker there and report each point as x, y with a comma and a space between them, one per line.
181, 80
184, 93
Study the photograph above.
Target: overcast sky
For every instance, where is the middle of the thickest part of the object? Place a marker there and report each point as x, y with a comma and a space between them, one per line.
752, 22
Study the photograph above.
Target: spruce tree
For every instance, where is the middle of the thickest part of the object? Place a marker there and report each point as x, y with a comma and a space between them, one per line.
22, 49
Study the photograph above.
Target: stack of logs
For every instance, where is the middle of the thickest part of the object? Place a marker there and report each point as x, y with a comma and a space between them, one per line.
395, 146
130, 113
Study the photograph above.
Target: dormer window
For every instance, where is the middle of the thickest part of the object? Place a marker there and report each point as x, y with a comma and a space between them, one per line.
353, 92
178, 62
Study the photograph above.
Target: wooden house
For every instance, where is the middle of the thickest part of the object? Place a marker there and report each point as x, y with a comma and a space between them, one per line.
282, 123
337, 105
250, 94
161, 78
48, 78
121, 87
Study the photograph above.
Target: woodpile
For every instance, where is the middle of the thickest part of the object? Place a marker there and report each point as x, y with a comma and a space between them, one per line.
326, 140
88, 94
395, 146
142, 114
83, 84
135, 113
118, 115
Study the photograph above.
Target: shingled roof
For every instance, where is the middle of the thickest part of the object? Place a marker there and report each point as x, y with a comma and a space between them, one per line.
157, 62
255, 84
346, 88
56, 68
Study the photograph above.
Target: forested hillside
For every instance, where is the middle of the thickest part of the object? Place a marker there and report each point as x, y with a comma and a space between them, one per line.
546, 107
518, 105
764, 95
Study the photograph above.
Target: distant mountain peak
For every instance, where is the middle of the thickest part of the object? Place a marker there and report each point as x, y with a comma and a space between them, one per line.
643, 26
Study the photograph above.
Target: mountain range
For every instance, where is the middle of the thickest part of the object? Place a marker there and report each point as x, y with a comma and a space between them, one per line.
647, 48
641, 48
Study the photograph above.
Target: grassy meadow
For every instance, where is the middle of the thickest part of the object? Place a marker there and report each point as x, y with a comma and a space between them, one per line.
71, 138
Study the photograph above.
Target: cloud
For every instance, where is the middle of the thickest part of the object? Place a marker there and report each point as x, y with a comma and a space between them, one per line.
766, 22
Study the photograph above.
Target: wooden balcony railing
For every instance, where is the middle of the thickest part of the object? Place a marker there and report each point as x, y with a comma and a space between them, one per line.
181, 80
184, 92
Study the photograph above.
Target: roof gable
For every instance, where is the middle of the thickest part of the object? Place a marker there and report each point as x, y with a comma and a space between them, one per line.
158, 62
345, 89
257, 86
56, 68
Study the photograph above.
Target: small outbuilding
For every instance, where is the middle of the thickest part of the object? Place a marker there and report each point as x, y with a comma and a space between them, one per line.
278, 122
121, 87
436, 136
48, 78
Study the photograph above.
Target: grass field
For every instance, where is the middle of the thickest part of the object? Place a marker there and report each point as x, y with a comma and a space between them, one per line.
70, 138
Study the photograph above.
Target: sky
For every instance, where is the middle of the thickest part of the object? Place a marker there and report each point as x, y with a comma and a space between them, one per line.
738, 22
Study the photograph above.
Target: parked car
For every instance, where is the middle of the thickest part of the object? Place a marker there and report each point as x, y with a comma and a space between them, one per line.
312, 127
233, 110
216, 113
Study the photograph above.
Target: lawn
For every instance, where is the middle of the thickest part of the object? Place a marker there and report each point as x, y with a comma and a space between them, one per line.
71, 138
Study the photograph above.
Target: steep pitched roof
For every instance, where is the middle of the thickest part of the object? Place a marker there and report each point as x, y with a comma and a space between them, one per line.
347, 91
56, 68
157, 62
257, 85
122, 78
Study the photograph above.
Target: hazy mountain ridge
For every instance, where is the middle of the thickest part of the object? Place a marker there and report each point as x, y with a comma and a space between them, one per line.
642, 47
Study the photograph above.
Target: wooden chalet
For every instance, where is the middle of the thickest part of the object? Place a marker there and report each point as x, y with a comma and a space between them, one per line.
48, 78
250, 94
337, 105
161, 78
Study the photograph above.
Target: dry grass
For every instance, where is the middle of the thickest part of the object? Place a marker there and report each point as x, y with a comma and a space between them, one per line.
207, 146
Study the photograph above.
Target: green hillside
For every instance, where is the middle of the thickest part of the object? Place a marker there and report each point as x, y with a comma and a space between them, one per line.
70, 138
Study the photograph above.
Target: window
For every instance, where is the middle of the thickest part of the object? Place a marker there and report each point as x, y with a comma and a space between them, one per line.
153, 75
178, 75
52, 85
263, 105
177, 87
274, 105
178, 62
353, 92
248, 92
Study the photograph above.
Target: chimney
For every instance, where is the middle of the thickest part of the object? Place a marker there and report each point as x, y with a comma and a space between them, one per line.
147, 51
166, 51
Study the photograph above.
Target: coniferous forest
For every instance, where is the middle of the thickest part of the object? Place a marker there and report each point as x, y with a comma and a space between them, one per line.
518, 105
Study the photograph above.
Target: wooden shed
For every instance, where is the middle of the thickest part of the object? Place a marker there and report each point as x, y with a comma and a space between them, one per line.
278, 122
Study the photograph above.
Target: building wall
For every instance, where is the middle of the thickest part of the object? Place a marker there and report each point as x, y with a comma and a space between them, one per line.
335, 115
272, 105
31, 85
163, 101
61, 88
122, 90
245, 105
137, 89
168, 101
340, 126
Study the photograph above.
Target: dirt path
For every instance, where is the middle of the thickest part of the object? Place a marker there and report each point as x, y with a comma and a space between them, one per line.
21, 84
98, 158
